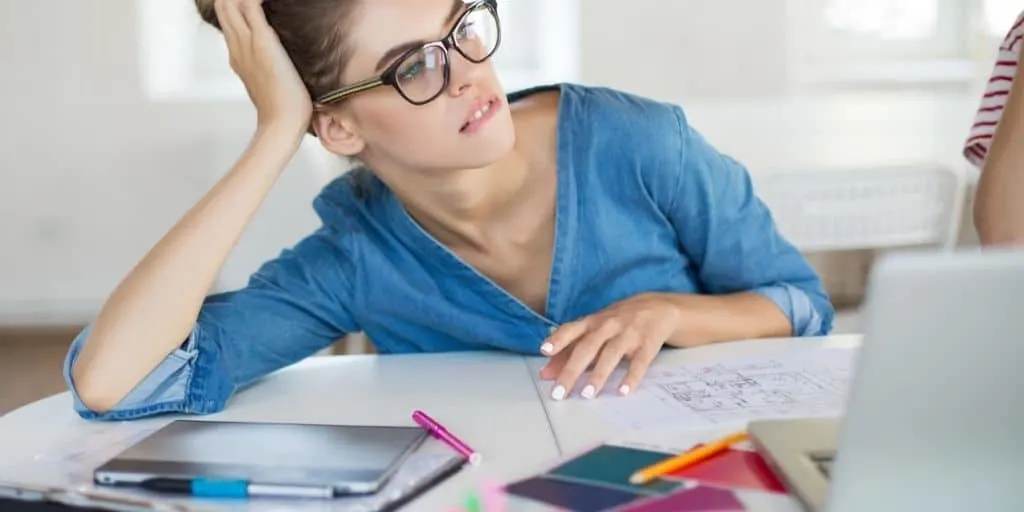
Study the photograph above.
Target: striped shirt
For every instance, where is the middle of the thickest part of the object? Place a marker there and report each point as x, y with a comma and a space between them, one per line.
996, 93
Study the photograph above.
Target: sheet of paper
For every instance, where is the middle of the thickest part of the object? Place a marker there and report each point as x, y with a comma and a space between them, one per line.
726, 394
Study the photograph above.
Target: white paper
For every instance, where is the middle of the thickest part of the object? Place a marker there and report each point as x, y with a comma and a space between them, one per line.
811, 383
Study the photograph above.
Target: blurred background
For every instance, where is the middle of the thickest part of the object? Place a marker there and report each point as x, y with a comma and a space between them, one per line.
117, 115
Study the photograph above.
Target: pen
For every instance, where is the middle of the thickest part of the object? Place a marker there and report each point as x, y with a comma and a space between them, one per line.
438, 431
80, 498
686, 459
212, 488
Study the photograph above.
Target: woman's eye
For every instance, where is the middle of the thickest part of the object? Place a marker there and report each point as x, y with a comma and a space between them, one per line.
467, 29
411, 71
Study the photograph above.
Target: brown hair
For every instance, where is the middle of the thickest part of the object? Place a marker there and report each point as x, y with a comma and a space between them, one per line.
313, 34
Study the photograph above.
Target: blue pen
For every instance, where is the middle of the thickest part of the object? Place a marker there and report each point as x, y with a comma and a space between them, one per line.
212, 488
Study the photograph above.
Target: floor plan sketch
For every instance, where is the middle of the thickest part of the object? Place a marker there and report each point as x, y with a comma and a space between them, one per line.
811, 383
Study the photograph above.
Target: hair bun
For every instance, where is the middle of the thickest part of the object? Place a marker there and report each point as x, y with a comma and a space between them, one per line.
207, 12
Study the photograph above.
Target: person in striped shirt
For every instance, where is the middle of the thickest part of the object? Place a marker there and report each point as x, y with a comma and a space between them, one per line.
996, 146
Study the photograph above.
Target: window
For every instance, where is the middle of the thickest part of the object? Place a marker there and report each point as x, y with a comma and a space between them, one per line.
999, 16
183, 58
180, 56
920, 42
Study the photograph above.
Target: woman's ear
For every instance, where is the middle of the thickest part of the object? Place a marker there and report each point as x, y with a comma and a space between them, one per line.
337, 133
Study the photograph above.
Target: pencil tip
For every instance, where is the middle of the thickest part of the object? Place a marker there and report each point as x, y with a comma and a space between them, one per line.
636, 479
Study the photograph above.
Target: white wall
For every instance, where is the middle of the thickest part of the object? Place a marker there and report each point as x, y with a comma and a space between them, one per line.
92, 173
686, 49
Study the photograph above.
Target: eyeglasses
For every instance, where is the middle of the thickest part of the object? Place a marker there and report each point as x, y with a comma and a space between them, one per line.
422, 74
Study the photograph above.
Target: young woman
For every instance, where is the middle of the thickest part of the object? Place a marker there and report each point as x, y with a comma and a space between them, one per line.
996, 146
584, 224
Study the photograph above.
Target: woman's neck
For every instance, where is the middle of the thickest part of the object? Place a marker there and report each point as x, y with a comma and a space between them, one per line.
506, 200
467, 208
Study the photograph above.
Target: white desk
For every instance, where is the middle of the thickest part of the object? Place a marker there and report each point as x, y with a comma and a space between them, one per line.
576, 427
475, 395
491, 400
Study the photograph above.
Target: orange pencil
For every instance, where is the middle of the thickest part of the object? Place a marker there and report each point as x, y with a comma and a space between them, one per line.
685, 459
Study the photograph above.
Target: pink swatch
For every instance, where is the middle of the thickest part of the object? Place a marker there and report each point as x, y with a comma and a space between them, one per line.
738, 469
697, 499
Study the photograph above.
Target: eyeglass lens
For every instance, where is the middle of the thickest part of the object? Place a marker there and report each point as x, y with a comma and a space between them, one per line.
421, 75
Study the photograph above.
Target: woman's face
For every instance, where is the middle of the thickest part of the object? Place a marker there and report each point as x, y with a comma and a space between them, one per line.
468, 125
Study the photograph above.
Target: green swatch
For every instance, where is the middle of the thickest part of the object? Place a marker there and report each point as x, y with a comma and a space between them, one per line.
612, 465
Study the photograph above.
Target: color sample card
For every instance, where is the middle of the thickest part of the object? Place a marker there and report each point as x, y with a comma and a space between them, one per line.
733, 468
571, 495
612, 466
598, 480
698, 499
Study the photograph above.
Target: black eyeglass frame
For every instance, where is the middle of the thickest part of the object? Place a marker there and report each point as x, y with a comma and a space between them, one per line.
389, 76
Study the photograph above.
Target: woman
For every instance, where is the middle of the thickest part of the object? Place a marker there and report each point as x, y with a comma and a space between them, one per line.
583, 224
996, 146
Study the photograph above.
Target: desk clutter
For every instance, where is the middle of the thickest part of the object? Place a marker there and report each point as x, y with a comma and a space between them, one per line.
383, 468
600, 480
196, 464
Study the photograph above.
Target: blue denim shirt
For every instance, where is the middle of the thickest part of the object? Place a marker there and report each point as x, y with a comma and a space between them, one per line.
644, 203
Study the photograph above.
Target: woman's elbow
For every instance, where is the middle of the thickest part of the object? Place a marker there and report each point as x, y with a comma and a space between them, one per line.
994, 226
994, 237
95, 392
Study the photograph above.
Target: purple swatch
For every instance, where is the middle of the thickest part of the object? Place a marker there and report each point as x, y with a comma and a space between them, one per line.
570, 495
697, 499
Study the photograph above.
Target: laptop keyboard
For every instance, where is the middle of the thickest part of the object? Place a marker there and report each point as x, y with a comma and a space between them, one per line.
824, 463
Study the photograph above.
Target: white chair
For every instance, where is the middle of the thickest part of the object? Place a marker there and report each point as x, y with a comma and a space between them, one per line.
877, 208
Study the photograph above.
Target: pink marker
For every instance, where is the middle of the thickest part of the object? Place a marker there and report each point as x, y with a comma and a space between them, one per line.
435, 429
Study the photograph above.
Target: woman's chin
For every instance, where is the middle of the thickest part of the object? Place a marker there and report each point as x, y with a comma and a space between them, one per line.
485, 151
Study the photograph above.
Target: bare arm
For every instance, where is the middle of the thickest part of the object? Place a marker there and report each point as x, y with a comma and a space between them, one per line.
708, 319
999, 203
152, 311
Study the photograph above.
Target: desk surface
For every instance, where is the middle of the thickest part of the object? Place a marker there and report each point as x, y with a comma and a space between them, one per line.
477, 395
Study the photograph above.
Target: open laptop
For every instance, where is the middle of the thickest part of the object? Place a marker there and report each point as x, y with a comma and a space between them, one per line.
935, 415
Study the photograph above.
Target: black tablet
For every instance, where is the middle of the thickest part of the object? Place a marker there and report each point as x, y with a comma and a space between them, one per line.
338, 459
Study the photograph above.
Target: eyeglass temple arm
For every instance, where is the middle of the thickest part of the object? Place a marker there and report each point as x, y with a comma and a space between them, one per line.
340, 94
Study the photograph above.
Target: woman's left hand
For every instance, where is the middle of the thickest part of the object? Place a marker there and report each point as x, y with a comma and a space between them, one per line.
634, 329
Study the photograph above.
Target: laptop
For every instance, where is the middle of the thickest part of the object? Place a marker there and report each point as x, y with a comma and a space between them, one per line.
290, 459
935, 413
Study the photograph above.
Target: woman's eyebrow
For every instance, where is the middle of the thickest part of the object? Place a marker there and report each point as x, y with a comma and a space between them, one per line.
456, 10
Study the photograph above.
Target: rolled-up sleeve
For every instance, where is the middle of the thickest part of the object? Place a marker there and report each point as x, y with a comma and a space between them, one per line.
293, 306
806, 316
731, 236
997, 92
163, 390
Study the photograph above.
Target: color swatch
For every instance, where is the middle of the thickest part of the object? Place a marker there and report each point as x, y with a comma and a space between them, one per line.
733, 468
612, 466
570, 495
598, 480
698, 499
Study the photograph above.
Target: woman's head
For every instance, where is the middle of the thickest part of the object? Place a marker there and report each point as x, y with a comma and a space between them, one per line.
415, 120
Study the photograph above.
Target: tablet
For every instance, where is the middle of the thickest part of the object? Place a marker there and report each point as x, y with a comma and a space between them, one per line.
343, 459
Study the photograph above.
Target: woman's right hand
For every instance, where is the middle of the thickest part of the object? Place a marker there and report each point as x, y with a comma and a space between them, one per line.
259, 59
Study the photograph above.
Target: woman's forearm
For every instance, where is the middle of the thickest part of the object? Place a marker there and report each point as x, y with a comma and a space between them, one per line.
999, 202
153, 309
712, 318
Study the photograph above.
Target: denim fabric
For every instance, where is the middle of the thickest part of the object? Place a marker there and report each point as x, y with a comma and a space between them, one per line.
644, 203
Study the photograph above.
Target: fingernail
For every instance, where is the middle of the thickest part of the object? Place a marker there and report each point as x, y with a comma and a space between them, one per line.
558, 393
588, 392
624, 390
546, 348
